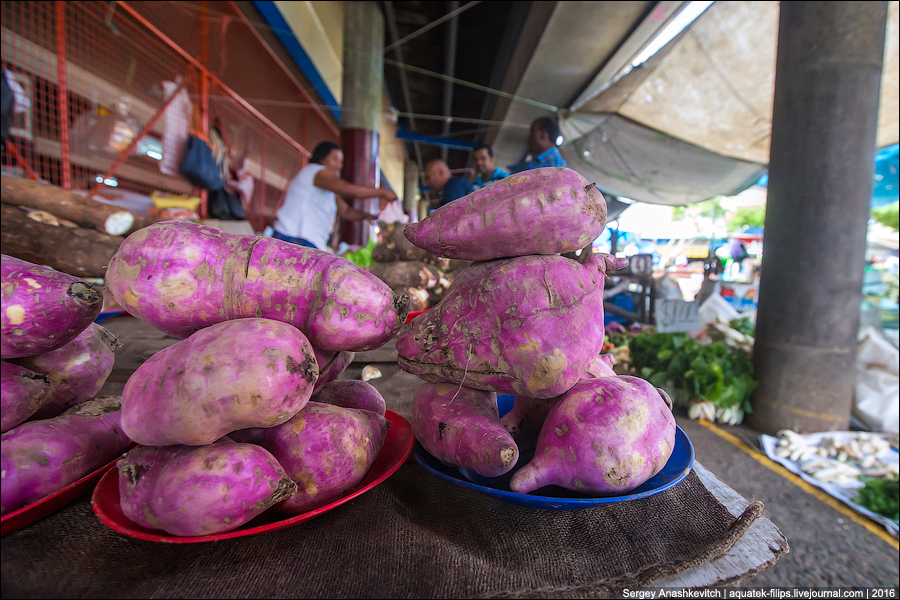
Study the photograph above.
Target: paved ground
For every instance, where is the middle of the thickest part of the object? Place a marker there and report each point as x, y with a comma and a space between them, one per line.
829, 546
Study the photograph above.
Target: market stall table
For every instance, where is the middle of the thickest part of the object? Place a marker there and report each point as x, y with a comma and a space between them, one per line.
414, 535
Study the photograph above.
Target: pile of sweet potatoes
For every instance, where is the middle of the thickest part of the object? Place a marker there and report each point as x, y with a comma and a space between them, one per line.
245, 414
229, 427
54, 361
522, 319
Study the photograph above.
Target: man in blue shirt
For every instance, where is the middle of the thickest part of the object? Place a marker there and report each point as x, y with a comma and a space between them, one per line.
488, 171
444, 186
542, 146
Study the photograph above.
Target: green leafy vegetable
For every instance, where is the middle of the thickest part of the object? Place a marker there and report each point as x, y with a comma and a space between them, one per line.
744, 325
363, 256
713, 371
881, 496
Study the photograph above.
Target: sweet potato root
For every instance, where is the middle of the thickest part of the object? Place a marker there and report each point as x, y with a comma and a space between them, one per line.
181, 277
42, 308
233, 375
541, 211
605, 435
76, 370
42, 457
327, 450
200, 490
24, 391
461, 427
530, 326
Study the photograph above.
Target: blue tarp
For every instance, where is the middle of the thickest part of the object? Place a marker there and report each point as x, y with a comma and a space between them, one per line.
885, 181
885, 190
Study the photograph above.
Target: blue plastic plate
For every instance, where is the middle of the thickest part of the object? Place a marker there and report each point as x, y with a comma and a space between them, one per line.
552, 497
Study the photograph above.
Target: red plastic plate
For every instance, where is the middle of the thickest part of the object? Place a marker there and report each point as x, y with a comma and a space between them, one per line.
412, 315
397, 448
49, 504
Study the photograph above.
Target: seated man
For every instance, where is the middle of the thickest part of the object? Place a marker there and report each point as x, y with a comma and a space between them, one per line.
442, 185
542, 146
488, 171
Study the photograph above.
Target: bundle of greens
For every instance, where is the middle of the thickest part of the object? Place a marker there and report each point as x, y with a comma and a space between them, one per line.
882, 496
712, 372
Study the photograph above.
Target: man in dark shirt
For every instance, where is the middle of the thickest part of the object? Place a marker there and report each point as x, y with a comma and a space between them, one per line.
443, 185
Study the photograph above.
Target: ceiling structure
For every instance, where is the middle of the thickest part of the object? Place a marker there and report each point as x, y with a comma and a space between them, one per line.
690, 123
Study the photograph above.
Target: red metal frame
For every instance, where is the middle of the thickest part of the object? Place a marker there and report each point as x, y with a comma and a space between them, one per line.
11, 148
74, 59
123, 156
63, 94
215, 80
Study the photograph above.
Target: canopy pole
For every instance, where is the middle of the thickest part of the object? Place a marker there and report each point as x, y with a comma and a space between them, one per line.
827, 80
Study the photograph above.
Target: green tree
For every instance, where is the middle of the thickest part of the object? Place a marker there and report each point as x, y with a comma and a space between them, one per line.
888, 215
747, 217
710, 209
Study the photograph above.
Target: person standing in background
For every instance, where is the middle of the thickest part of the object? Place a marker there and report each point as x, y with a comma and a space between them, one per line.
314, 199
442, 185
486, 165
542, 146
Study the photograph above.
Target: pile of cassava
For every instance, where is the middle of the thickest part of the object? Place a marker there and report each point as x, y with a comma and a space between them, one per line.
245, 413
523, 320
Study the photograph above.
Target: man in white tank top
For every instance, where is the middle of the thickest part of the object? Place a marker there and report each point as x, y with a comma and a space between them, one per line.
314, 199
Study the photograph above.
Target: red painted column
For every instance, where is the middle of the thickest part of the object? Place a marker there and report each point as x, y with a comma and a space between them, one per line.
361, 166
362, 82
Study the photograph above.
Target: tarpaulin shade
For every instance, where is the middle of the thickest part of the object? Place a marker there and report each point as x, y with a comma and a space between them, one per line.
694, 121
634, 161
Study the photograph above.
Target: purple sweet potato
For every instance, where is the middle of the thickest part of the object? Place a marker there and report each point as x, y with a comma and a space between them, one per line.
605, 436
42, 308
602, 366
76, 370
230, 376
181, 277
530, 325
327, 450
24, 391
200, 490
42, 457
461, 427
525, 419
331, 365
542, 211
351, 393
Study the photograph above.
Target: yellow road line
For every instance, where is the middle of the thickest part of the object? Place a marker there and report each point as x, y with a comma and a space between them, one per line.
806, 487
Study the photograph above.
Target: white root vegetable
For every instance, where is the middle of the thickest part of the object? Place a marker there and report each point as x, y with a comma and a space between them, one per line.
838, 460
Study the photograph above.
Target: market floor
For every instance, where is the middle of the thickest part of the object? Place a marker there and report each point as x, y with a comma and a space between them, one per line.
829, 544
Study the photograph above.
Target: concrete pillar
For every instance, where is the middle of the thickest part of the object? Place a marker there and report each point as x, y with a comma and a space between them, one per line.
363, 73
411, 190
827, 79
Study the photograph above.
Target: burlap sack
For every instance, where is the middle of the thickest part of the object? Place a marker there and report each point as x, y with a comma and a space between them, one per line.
413, 536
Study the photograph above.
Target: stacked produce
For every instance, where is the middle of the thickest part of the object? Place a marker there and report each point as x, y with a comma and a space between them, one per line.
55, 360
523, 320
229, 419
409, 269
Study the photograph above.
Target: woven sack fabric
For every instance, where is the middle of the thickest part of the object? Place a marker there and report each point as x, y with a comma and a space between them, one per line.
413, 536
